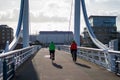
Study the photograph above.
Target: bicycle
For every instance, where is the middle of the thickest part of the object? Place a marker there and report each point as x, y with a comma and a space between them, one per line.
52, 55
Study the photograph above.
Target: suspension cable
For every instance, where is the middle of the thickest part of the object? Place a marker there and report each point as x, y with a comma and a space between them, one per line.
71, 9
69, 25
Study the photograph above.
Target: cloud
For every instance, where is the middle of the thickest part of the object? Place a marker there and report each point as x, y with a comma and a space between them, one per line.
40, 17
9, 15
52, 8
56, 10
13, 15
40, 11
100, 0
9, 4
102, 6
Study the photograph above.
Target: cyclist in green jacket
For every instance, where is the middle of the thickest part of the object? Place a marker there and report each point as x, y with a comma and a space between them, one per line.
52, 50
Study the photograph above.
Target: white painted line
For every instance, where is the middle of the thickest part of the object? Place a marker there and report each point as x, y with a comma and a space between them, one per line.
47, 56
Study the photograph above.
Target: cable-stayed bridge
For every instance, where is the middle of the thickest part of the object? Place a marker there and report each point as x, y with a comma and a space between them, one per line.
13, 60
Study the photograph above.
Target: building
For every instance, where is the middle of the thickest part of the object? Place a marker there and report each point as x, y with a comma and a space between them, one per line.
6, 34
118, 37
33, 38
113, 44
58, 37
104, 28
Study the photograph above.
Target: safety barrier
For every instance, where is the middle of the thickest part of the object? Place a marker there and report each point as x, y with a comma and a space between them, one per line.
98, 56
10, 61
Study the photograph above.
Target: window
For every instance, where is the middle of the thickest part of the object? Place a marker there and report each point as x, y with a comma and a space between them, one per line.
3, 37
3, 30
3, 41
3, 34
8, 34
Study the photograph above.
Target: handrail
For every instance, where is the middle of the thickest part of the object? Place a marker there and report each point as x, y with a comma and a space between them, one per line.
13, 59
13, 52
96, 56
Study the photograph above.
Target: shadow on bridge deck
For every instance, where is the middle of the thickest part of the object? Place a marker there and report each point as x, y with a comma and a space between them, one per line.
26, 71
40, 67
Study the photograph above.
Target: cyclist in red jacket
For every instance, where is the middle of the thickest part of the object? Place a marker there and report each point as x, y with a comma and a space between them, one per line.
73, 50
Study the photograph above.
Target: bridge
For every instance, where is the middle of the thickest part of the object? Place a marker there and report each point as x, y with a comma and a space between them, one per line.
40, 67
33, 63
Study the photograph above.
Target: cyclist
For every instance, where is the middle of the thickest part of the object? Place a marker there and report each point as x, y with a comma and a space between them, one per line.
52, 50
73, 49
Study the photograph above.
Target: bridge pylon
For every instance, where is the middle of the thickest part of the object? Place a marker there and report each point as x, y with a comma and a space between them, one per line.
26, 23
77, 22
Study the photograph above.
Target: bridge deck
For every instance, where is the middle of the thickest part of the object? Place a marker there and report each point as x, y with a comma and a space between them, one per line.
40, 67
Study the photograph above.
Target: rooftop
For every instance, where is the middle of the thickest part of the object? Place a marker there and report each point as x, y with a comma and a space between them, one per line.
100, 16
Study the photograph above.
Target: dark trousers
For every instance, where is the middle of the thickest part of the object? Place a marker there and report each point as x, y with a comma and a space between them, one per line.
74, 55
52, 54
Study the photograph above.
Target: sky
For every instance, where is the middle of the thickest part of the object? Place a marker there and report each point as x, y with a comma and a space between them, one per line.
54, 15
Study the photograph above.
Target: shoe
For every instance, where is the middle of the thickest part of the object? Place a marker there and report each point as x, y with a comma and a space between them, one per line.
53, 58
74, 61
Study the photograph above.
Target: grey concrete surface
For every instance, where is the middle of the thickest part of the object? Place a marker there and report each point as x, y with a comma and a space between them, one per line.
40, 67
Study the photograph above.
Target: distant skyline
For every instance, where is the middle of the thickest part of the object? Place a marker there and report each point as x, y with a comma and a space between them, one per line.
54, 14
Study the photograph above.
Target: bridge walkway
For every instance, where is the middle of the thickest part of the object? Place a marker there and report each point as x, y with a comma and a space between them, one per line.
40, 67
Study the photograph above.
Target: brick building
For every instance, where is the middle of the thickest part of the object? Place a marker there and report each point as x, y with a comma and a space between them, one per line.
6, 34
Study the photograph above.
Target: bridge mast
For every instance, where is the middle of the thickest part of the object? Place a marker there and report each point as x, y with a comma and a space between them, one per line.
77, 22
26, 24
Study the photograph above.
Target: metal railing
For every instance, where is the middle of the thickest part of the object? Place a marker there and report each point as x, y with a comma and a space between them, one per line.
10, 61
98, 56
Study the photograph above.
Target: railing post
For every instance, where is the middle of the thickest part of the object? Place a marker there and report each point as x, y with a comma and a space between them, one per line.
13, 67
4, 69
117, 65
112, 62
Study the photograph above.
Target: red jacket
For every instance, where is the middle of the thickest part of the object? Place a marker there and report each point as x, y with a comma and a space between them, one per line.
73, 46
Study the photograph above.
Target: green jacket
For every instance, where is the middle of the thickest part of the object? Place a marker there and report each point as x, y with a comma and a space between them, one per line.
52, 46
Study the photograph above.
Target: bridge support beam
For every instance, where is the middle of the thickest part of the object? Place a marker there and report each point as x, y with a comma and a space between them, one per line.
26, 24
77, 22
